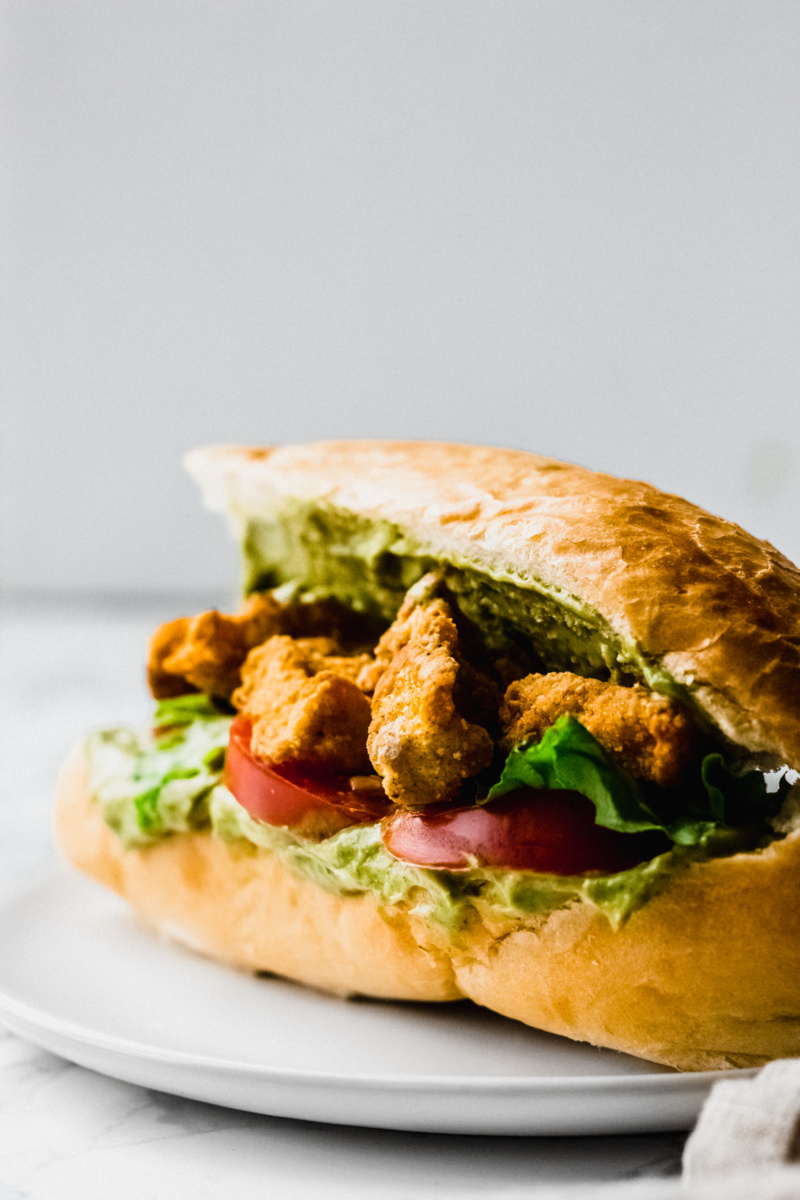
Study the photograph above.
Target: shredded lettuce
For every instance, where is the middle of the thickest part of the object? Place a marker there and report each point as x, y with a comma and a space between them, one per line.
182, 710
168, 779
178, 711
569, 757
158, 782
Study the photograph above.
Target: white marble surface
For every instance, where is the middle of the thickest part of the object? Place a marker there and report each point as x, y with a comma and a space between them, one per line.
67, 1132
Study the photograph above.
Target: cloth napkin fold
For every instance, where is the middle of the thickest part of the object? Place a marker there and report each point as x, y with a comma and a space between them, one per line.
745, 1146
747, 1124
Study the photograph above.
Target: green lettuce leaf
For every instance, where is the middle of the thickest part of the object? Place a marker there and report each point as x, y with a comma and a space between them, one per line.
157, 783
177, 711
569, 757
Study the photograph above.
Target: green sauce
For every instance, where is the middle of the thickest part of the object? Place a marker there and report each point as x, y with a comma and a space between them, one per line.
147, 791
318, 551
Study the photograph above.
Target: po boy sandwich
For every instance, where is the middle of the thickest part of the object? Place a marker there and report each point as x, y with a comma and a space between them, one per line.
486, 725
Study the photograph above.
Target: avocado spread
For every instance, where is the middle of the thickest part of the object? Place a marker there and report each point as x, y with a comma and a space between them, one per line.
316, 551
151, 786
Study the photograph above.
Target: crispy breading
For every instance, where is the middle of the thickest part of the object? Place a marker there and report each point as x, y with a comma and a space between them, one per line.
205, 653
304, 703
164, 642
418, 741
648, 735
398, 633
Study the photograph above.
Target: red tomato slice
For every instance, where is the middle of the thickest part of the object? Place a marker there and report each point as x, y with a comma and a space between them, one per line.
553, 832
293, 795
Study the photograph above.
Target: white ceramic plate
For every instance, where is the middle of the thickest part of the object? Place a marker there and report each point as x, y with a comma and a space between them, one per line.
80, 976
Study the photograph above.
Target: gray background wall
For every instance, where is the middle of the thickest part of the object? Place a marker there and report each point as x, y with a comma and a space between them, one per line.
566, 225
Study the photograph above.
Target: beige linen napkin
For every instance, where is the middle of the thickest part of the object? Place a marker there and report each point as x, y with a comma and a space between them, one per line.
747, 1124
743, 1148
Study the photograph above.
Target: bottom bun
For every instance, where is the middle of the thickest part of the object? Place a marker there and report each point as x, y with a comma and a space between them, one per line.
241, 905
705, 975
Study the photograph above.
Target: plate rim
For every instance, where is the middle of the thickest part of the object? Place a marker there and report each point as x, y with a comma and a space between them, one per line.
37, 1018
142, 1052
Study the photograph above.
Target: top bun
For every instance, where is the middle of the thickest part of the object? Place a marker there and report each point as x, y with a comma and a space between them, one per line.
711, 608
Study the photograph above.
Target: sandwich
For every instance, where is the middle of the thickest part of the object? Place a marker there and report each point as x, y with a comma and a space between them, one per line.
487, 726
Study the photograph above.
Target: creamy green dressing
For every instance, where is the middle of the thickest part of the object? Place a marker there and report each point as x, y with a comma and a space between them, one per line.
147, 791
318, 551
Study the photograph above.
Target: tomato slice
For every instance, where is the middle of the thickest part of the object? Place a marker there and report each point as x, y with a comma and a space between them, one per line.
553, 832
294, 795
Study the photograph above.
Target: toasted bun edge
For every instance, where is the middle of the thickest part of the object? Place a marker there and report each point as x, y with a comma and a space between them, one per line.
716, 608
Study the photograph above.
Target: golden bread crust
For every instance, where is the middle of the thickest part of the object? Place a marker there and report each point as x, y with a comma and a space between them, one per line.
705, 975
718, 609
243, 907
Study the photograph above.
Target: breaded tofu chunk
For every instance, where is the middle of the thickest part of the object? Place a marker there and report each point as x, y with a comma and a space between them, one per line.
424, 591
304, 704
648, 735
205, 653
419, 743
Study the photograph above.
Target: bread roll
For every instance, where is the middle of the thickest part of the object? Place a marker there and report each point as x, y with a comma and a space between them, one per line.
705, 975
706, 972
692, 599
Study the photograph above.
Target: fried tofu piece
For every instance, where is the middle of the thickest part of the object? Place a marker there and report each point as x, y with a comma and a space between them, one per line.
166, 640
648, 735
205, 653
419, 742
398, 633
304, 704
